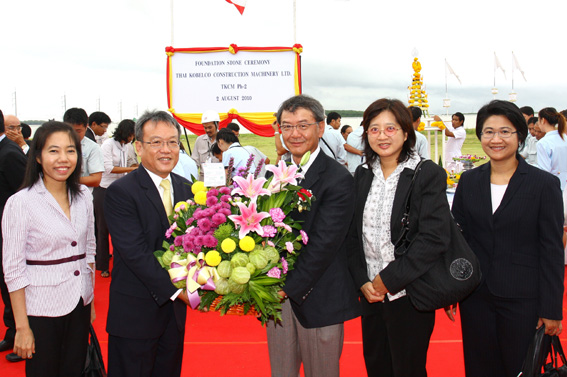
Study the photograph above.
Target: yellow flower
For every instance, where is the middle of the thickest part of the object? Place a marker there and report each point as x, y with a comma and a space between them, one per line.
213, 258
201, 198
228, 245
247, 243
198, 186
421, 126
179, 204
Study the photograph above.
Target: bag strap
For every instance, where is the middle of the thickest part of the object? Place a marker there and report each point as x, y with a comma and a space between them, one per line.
329, 147
558, 350
405, 218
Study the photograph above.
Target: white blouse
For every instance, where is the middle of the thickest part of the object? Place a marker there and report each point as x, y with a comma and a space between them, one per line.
376, 219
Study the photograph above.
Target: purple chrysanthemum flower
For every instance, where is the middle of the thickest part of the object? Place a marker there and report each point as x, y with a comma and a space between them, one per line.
205, 224
178, 241
212, 192
218, 219
210, 241
211, 201
225, 190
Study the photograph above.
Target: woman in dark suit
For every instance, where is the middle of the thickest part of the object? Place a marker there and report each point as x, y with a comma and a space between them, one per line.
395, 335
511, 215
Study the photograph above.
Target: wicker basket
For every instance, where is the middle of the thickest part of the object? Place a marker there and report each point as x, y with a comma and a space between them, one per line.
234, 310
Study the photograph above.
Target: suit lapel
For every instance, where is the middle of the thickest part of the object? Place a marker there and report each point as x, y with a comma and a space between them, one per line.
485, 192
312, 175
515, 182
178, 188
152, 194
363, 188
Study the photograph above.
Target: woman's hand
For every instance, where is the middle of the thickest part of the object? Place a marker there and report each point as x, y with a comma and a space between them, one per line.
370, 293
24, 343
451, 311
552, 327
379, 286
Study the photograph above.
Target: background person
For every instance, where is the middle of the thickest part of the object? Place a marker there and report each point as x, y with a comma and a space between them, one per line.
421, 142
456, 136
202, 149
186, 166
231, 148
529, 151
552, 148
115, 152
511, 215
235, 128
12, 169
48, 256
345, 131
98, 124
395, 336
13, 129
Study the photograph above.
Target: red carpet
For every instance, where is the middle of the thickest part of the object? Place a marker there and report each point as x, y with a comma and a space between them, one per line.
236, 346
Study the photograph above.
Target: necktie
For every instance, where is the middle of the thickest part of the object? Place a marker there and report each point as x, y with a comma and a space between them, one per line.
300, 171
166, 199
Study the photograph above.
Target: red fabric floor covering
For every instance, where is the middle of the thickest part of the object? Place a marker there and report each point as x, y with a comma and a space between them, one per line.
236, 346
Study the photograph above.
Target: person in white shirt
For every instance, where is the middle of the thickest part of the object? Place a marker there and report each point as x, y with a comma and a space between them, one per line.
98, 124
231, 148
355, 143
117, 163
421, 142
345, 131
202, 149
552, 148
456, 137
186, 166
529, 150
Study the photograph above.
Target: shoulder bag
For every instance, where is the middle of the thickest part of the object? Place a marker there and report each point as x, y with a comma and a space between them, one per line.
454, 276
542, 358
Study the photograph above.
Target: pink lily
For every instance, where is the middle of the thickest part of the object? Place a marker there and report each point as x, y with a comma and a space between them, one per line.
283, 175
250, 187
249, 220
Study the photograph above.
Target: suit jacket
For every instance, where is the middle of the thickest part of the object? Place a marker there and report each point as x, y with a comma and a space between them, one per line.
12, 169
140, 291
519, 246
89, 133
321, 290
429, 231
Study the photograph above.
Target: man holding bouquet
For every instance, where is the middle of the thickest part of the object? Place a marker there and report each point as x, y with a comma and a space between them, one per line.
320, 294
146, 313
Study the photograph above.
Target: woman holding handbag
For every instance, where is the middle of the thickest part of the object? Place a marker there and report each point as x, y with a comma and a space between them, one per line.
511, 216
49, 255
395, 334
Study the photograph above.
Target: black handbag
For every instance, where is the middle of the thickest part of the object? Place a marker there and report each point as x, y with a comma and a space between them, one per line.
454, 276
542, 358
94, 365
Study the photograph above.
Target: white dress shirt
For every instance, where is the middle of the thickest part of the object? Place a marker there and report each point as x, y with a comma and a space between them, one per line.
34, 227
114, 154
552, 155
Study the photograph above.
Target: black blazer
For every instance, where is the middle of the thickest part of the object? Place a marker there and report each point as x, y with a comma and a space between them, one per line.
89, 133
519, 246
12, 169
429, 230
321, 290
140, 290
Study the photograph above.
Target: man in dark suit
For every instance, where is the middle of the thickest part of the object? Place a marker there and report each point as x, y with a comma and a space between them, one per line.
321, 292
98, 124
12, 169
146, 314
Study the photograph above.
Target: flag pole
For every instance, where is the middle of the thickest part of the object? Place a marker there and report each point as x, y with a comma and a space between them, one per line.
171, 9
294, 21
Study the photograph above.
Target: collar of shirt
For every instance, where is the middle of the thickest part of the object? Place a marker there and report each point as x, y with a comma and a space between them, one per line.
314, 155
2, 137
156, 179
234, 145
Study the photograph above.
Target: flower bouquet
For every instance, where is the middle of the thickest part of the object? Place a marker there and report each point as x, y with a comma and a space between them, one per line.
234, 246
469, 158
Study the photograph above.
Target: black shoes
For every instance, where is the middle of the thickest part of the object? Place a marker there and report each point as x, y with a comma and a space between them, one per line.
6, 346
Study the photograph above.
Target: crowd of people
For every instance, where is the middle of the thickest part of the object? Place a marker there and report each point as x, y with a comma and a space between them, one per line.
88, 185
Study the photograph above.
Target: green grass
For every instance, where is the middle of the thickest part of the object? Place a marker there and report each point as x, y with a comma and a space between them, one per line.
267, 146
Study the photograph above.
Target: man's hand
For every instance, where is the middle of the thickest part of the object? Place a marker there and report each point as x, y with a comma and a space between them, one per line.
16, 137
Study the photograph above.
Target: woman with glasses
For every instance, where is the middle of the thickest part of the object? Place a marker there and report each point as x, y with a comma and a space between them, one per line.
511, 216
552, 148
117, 156
49, 255
395, 335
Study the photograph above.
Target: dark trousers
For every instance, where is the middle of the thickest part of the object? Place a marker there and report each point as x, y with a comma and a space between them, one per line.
8, 315
60, 343
395, 338
496, 333
156, 357
102, 243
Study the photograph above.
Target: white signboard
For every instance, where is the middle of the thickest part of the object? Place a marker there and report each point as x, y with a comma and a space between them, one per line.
248, 81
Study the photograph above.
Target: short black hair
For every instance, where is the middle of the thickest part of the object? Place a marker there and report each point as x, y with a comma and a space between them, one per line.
26, 130
416, 113
124, 130
528, 110
333, 115
460, 116
215, 149
76, 115
344, 128
509, 111
227, 136
233, 127
99, 118
532, 120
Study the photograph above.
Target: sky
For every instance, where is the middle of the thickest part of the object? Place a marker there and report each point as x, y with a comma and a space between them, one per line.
110, 54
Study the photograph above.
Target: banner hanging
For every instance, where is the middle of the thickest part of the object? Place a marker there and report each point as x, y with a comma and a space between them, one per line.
243, 83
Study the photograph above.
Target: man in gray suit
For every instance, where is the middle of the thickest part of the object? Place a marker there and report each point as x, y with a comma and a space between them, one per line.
320, 291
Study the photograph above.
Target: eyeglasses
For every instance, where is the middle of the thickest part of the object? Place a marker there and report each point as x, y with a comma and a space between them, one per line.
287, 128
504, 134
388, 131
14, 128
158, 144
